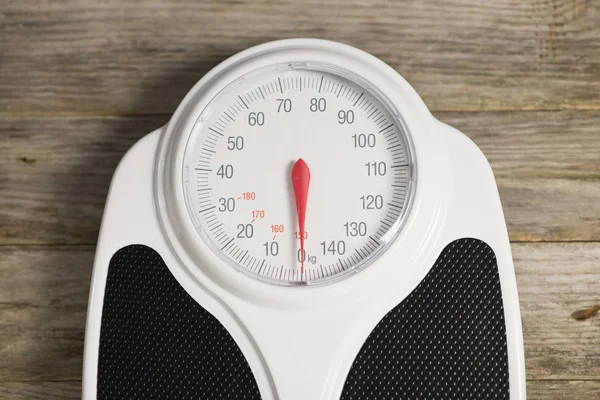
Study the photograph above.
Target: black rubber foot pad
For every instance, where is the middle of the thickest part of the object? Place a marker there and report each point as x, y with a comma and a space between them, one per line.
156, 342
446, 340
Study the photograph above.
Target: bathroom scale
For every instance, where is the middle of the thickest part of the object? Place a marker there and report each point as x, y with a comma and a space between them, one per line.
303, 229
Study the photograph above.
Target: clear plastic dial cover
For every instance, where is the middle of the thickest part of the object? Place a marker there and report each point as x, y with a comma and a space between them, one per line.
238, 174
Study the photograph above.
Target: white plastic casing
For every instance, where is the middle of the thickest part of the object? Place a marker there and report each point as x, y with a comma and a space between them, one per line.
456, 197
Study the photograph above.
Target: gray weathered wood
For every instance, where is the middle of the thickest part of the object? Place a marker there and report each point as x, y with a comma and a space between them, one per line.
563, 390
78, 56
554, 280
56, 172
81, 81
42, 310
40, 390
44, 291
43, 300
547, 167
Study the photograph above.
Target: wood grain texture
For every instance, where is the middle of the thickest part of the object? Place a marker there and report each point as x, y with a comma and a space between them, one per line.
553, 281
563, 390
81, 81
56, 174
57, 170
547, 167
40, 390
132, 57
42, 310
43, 300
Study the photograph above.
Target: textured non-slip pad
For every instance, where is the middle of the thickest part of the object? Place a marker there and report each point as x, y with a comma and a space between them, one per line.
156, 342
446, 340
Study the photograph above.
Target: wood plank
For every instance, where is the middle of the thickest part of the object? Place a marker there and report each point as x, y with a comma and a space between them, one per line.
80, 56
44, 291
43, 300
36, 358
51, 283
41, 390
563, 390
547, 167
536, 390
553, 281
56, 172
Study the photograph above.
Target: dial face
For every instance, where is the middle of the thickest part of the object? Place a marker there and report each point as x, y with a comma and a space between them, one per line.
297, 175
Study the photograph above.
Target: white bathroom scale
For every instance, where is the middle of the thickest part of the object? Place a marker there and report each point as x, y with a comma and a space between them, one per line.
303, 229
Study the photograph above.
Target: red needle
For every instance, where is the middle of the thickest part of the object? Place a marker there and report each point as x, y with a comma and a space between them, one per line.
301, 181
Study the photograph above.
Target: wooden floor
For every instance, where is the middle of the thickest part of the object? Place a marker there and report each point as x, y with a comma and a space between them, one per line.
81, 81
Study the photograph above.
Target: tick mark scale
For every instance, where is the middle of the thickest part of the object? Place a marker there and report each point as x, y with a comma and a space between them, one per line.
318, 122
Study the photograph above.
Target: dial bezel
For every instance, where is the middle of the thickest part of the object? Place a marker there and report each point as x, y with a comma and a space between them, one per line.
207, 269
197, 135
